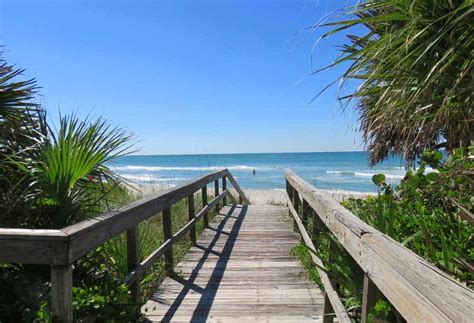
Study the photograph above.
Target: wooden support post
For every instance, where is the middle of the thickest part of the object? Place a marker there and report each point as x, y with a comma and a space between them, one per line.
216, 193
332, 255
290, 192
168, 233
318, 227
328, 311
369, 297
224, 187
192, 213
133, 259
204, 203
306, 210
296, 204
61, 293
240, 200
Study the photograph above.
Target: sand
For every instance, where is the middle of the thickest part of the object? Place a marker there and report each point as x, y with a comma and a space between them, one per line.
257, 197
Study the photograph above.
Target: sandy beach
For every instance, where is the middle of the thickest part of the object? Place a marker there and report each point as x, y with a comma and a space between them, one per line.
257, 197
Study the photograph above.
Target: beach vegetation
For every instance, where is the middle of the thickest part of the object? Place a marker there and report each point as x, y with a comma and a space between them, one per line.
54, 178
408, 71
430, 212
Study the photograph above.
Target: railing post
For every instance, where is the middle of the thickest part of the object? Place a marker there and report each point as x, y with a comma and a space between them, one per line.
191, 211
224, 187
204, 203
290, 191
133, 259
305, 212
216, 193
296, 204
318, 227
328, 311
369, 297
61, 293
168, 233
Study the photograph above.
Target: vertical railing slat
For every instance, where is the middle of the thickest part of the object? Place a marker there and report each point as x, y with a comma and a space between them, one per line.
61, 293
192, 213
296, 205
328, 311
204, 203
216, 193
305, 212
290, 192
133, 258
168, 233
224, 187
369, 297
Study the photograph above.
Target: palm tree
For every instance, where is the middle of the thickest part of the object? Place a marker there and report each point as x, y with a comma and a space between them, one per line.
50, 178
413, 71
21, 130
70, 175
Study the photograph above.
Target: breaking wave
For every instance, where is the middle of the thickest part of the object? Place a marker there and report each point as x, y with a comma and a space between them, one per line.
175, 168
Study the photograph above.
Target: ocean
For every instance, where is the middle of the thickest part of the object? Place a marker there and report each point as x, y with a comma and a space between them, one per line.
335, 171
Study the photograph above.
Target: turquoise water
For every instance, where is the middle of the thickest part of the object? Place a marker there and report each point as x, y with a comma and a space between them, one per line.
347, 171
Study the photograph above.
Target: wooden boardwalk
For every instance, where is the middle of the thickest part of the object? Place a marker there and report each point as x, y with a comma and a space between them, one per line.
240, 270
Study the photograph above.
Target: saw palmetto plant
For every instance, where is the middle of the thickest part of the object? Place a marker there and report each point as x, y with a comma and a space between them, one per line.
411, 69
21, 131
71, 175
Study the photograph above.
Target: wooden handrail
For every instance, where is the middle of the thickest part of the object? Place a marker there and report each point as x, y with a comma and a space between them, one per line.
60, 248
146, 264
418, 290
328, 286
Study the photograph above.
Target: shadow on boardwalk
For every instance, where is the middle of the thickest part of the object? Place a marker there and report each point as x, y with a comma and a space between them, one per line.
240, 269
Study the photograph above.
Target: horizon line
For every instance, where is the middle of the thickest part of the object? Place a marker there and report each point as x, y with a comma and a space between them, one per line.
252, 153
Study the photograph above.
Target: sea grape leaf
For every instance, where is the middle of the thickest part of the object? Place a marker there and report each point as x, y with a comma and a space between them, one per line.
378, 179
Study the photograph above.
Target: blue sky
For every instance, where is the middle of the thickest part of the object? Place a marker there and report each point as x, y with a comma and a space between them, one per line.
186, 76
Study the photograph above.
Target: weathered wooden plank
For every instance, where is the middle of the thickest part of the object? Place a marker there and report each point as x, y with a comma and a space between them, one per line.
418, 290
235, 309
168, 235
146, 264
331, 293
204, 204
296, 318
229, 272
224, 187
61, 293
133, 258
216, 193
88, 234
191, 215
236, 186
34, 246
369, 298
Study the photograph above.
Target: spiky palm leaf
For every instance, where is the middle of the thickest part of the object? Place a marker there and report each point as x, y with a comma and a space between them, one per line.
21, 131
71, 176
415, 64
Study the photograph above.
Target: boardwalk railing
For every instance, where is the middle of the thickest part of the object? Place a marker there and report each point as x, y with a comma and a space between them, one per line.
418, 290
61, 248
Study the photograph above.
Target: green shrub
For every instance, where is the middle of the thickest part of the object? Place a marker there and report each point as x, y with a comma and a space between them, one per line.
429, 211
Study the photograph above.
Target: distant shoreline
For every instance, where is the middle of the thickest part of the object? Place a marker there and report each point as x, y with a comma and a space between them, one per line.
254, 153
256, 196
341, 171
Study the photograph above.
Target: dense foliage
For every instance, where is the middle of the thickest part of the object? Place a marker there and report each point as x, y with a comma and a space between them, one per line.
410, 72
53, 178
430, 212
